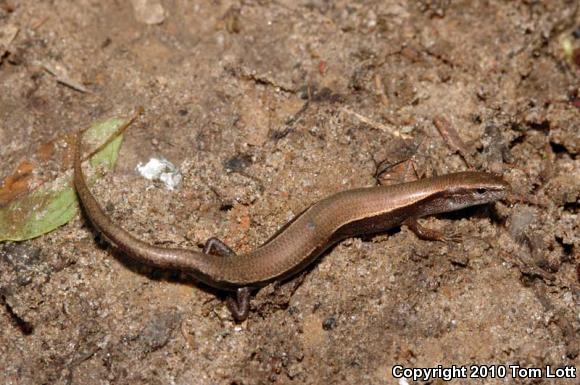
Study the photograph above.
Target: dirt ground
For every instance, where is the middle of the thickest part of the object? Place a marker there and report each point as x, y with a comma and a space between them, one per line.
266, 107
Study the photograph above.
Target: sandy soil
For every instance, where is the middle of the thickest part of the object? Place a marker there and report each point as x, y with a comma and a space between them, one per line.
265, 107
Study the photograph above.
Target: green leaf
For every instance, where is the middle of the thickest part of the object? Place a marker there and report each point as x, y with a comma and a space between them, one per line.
100, 132
54, 204
37, 214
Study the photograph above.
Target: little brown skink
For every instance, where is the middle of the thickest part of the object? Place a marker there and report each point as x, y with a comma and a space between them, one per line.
339, 216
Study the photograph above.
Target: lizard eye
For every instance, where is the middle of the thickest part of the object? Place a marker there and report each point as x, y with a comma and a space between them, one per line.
481, 190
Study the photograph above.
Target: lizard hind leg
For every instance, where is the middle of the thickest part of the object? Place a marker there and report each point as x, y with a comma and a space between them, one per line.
239, 303
214, 246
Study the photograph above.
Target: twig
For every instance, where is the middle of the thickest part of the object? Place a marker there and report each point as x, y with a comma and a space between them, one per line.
452, 138
381, 91
63, 78
376, 125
